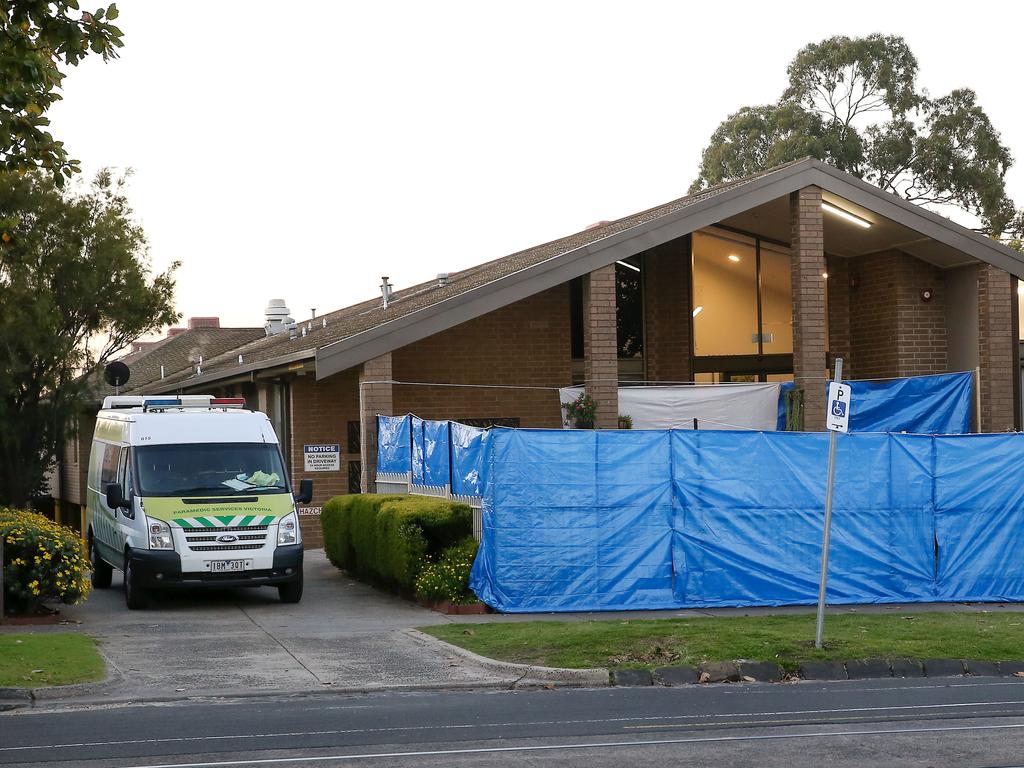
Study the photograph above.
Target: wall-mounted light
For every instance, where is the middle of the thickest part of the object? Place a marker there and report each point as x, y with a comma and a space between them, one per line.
697, 310
836, 211
825, 275
634, 267
733, 257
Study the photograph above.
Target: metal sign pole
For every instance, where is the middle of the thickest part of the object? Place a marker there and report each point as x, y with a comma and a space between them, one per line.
820, 626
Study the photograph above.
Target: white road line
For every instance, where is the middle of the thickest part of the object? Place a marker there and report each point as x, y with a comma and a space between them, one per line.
592, 745
462, 726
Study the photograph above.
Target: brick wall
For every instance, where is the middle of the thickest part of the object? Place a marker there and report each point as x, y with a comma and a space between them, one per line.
524, 344
996, 340
667, 308
921, 335
320, 413
893, 332
839, 313
807, 236
600, 345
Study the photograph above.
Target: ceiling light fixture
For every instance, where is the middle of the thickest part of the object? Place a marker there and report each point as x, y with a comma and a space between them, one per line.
634, 267
697, 310
845, 215
733, 257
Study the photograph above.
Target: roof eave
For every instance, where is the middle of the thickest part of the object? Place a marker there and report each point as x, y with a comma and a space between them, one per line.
157, 387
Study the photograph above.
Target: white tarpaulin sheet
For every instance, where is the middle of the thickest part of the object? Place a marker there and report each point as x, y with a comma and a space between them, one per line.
715, 406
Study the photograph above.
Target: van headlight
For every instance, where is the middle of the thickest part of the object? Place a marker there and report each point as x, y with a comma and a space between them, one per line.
288, 530
159, 534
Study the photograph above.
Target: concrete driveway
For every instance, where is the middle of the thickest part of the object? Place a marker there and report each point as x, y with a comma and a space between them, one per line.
343, 635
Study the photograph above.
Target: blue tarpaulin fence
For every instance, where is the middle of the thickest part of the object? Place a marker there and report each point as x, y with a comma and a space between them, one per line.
603, 520
924, 405
609, 520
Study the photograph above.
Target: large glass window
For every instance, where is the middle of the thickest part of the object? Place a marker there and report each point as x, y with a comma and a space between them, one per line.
724, 295
742, 296
776, 300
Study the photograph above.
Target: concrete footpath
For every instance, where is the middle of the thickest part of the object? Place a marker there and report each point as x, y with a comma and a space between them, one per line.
343, 635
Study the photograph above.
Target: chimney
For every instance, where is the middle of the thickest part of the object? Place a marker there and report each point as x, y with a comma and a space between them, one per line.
278, 317
172, 332
203, 322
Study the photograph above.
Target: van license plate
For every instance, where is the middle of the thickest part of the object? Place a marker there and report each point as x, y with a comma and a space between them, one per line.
222, 566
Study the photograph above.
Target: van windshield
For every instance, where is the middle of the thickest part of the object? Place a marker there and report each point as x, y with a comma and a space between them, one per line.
208, 469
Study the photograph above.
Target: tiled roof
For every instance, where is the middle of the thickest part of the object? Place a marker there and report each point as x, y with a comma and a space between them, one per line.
343, 323
176, 354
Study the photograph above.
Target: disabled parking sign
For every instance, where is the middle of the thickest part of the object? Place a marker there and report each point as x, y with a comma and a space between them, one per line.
837, 417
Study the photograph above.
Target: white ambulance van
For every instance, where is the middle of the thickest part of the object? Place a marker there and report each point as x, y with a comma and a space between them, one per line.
191, 491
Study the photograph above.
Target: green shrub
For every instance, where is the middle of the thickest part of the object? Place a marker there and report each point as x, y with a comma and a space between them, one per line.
448, 577
386, 539
42, 561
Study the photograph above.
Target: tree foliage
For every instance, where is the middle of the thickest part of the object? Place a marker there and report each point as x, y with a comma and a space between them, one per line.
854, 103
75, 288
36, 38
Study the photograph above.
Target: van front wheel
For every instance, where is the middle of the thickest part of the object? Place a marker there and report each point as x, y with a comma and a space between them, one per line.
101, 570
291, 592
134, 595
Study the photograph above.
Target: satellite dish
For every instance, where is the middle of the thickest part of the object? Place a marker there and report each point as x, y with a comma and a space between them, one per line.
116, 374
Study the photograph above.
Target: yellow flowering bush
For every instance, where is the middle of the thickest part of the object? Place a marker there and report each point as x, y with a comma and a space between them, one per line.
42, 561
448, 577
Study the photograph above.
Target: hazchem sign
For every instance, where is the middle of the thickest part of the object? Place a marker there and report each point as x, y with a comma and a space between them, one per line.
837, 416
325, 457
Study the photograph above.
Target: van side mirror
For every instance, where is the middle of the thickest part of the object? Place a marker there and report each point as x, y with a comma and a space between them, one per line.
305, 492
115, 497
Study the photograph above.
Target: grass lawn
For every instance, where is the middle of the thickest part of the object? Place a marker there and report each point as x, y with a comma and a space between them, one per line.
787, 640
30, 660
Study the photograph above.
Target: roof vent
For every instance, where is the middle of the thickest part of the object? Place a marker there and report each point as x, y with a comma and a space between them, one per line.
386, 289
278, 317
442, 279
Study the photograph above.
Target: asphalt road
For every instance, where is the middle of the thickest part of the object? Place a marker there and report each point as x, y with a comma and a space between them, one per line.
932, 722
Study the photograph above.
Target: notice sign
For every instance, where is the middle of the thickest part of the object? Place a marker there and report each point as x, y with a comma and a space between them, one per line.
325, 457
837, 417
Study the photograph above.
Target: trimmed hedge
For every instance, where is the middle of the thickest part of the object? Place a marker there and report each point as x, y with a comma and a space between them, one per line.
386, 539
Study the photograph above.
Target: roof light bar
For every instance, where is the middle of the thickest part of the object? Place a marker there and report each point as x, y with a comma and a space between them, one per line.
153, 403
836, 211
228, 401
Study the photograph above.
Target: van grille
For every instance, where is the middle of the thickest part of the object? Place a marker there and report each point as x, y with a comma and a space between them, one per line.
205, 539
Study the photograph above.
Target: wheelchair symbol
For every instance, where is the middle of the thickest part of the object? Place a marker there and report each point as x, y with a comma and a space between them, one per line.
838, 408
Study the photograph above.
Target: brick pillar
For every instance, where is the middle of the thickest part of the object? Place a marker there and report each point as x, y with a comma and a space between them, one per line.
600, 345
996, 339
373, 399
667, 312
808, 263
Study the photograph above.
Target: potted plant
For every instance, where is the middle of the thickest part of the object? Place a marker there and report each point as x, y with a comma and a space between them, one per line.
581, 411
625, 421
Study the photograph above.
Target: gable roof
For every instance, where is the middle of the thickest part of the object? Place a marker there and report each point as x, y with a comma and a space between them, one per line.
345, 338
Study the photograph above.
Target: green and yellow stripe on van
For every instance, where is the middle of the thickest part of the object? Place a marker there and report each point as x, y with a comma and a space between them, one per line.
224, 521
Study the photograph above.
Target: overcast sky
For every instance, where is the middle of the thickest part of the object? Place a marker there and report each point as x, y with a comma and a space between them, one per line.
302, 150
